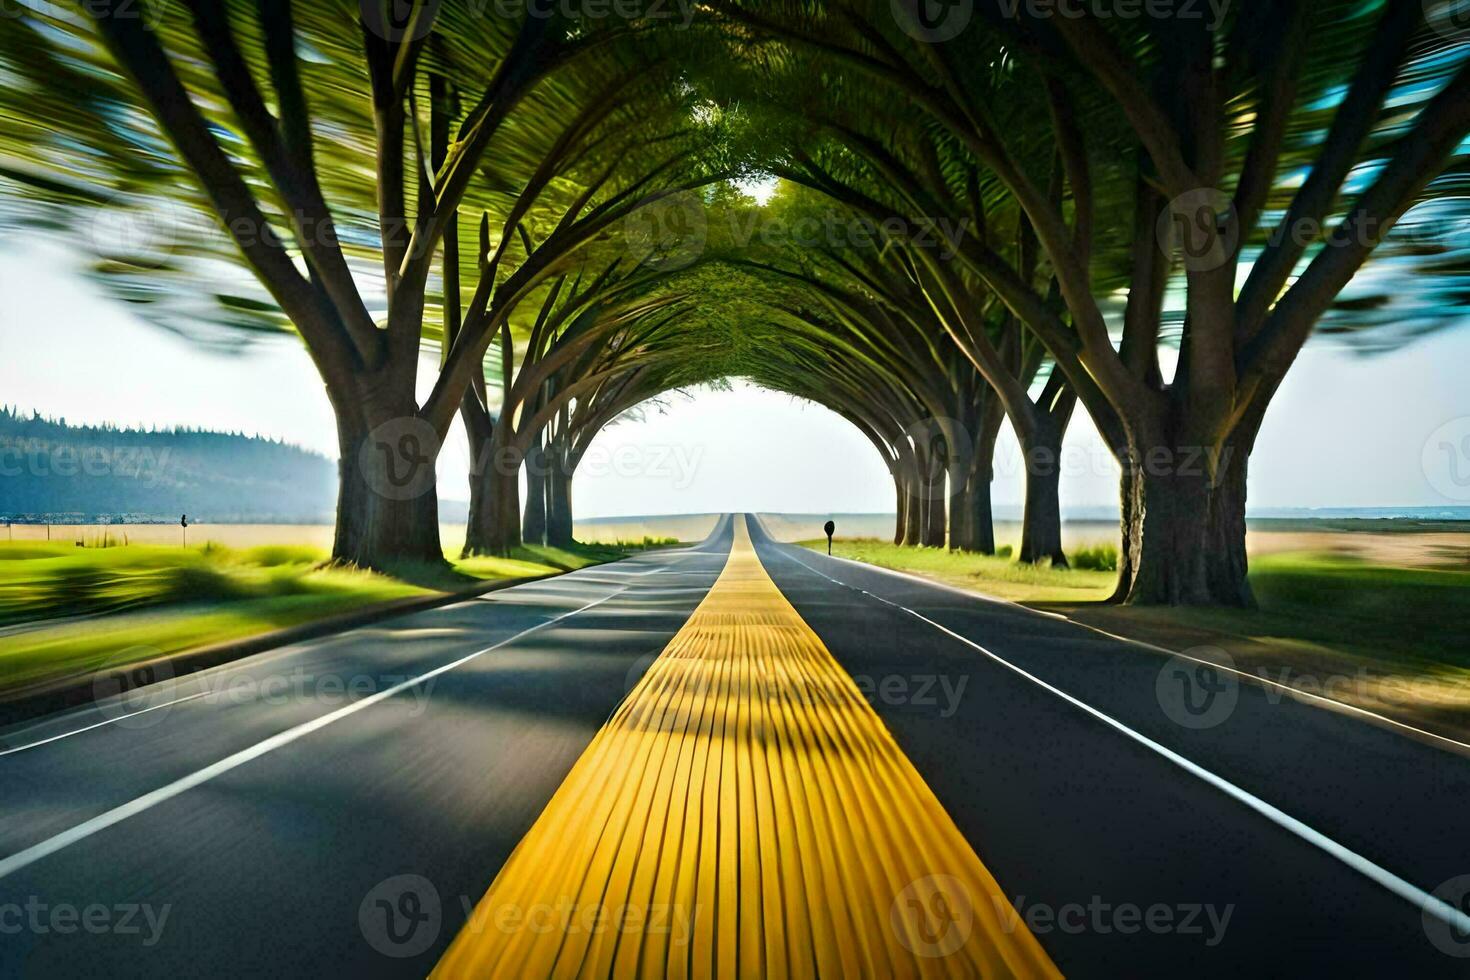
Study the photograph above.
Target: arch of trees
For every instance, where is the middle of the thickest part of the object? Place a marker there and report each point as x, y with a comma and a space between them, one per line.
523, 217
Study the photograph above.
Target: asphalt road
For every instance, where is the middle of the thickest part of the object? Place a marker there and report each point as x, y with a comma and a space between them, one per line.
261, 817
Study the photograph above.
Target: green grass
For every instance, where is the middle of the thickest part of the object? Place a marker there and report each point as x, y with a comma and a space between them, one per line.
1393, 640
992, 575
1381, 612
70, 610
1369, 610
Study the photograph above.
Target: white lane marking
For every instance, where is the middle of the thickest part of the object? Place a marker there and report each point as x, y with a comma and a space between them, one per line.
191, 697
100, 724
147, 801
1332, 704
1374, 872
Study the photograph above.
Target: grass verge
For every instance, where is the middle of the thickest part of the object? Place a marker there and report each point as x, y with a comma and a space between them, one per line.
990, 574
66, 612
1392, 640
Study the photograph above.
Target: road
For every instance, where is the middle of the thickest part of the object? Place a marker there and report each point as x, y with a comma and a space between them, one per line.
926, 783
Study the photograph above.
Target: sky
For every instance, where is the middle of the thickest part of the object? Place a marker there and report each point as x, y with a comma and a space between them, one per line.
1345, 430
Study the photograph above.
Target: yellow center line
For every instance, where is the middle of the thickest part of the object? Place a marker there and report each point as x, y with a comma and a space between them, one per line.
744, 813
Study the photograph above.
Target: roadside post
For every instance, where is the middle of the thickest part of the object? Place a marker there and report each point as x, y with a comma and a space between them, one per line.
829, 527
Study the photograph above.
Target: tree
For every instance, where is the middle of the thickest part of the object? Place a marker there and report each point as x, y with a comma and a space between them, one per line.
1217, 116
274, 110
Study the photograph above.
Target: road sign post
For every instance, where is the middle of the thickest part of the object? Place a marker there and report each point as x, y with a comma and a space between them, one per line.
829, 527
184, 525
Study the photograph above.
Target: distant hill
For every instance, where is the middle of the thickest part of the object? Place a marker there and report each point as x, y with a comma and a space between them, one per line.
55, 472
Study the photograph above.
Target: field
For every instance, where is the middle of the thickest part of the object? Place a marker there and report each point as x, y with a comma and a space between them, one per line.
95, 597
610, 530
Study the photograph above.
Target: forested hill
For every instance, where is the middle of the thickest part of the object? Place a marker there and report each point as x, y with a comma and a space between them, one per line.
51, 471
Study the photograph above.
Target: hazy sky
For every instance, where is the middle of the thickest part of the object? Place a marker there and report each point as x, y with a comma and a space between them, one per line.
1345, 430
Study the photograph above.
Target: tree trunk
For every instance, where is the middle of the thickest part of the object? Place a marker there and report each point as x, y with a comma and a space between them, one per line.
533, 523
913, 529
1041, 522
976, 523
1226, 565
960, 527
900, 504
1188, 528
934, 513
559, 501
494, 526
1130, 504
387, 497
